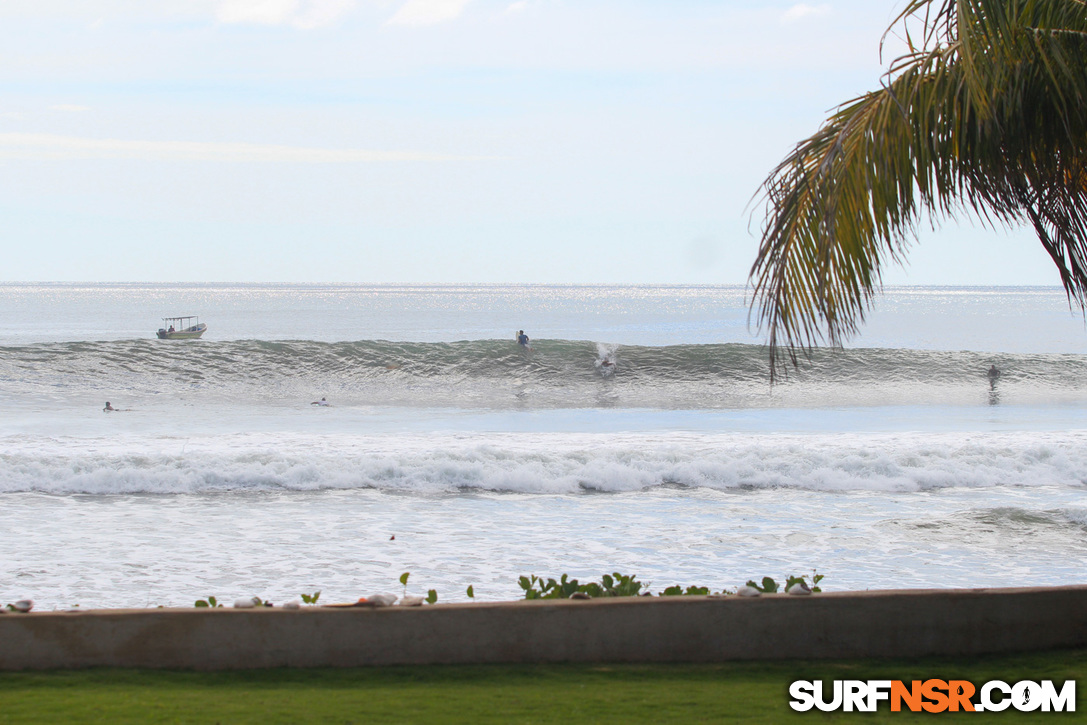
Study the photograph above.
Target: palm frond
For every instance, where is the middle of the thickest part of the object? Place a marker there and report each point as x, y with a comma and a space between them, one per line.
987, 114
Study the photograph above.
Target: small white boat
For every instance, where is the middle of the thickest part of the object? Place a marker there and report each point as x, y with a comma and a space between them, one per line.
181, 328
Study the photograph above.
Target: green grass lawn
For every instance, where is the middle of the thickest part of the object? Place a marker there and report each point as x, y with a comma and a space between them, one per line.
734, 692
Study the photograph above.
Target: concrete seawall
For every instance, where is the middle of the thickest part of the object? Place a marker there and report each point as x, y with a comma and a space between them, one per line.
906, 623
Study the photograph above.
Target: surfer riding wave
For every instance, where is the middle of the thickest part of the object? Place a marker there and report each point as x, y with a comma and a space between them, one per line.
605, 358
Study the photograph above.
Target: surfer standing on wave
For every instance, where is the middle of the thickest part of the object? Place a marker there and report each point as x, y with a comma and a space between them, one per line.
993, 375
522, 339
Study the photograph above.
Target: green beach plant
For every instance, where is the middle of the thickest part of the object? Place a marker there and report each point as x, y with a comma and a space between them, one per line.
537, 588
615, 584
431, 595
815, 579
691, 591
610, 585
769, 586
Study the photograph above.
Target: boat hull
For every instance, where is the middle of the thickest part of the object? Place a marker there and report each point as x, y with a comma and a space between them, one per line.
189, 333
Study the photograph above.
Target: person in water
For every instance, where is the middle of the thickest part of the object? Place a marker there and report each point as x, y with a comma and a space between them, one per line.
322, 402
109, 408
522, 338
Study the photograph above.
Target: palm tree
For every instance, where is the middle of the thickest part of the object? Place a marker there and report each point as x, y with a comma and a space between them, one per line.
985, 115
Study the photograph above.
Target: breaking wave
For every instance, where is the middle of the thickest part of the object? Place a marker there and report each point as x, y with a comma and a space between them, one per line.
553, 373
544, 463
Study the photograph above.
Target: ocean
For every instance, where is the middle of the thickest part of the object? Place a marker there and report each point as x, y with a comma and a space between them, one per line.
639, 434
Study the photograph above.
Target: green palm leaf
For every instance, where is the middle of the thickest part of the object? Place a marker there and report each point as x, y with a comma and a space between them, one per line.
986, 115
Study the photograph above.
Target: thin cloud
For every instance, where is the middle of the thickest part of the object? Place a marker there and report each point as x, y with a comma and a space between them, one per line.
40, 146
304, 14
428, 12
518, 6
803, 11
69, 107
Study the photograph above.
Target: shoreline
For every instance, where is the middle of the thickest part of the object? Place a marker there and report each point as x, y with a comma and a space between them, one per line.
831, 625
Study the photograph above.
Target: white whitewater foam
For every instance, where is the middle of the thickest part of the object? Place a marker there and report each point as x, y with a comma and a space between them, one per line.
540, 463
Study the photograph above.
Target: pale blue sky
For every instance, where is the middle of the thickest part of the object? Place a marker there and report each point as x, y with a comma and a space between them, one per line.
425, 140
